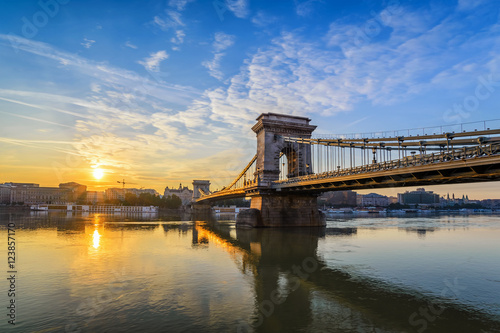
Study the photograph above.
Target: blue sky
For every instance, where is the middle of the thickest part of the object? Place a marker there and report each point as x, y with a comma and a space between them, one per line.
162, 92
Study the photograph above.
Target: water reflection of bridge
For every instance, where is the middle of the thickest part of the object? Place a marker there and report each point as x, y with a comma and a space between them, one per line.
293, 285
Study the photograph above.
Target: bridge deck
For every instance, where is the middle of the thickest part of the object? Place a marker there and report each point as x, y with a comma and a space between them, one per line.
460, 171
462, 164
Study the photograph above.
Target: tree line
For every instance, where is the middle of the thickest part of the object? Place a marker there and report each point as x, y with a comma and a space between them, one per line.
148, 199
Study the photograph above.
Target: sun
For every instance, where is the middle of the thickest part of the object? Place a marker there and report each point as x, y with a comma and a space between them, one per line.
98, 173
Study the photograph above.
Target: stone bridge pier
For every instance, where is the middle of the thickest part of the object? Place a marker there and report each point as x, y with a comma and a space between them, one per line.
270, 208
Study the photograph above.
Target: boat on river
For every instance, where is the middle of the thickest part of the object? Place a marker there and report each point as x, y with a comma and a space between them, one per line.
95, 208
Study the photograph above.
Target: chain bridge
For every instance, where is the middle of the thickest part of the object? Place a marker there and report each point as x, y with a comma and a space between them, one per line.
291, 167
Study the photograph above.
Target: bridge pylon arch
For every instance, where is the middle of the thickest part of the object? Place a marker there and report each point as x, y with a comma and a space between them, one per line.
270, 208
271, 128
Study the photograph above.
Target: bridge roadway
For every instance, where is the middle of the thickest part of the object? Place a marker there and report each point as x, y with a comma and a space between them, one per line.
458, 167
464, 165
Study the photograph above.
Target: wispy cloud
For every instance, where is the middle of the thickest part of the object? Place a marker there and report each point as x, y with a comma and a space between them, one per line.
468, 4
152, 63
263, 19
178, 38
305, 7
171, 21
105, 73
240, 8
87, 43
128, 123
48, 97
36, 119
296, 75
291, 76
213, 66
351, 124
180, 5
129, 44
43, 144
222, 41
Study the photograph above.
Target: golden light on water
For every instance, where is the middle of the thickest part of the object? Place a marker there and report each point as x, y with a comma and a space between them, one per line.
96, 237
243, 258
98, 173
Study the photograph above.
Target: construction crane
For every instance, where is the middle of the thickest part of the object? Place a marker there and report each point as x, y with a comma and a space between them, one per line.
123, 183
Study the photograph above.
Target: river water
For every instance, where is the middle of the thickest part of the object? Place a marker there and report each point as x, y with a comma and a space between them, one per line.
148, 273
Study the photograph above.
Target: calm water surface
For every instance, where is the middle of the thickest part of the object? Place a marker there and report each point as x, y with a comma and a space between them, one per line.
126, 273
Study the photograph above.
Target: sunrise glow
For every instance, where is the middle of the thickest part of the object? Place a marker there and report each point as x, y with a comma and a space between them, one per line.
165, 97
98, 173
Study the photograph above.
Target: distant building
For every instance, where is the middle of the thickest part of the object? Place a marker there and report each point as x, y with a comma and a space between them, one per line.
138, 191
340, 198
454, 200
184, 193
419, 197
491, 203
31, 193
95, 197
372, 200
4, 194
116, 193
76, 190
10, 184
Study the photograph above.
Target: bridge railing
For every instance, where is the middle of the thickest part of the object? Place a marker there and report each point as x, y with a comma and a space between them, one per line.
421, 131
464, 153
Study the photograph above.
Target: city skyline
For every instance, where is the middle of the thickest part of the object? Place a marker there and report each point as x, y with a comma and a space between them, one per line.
164, 93
380, 191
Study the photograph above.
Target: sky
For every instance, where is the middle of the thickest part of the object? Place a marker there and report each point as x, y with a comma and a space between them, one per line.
163, 92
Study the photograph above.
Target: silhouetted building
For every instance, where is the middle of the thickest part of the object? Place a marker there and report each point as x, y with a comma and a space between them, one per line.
491, 203
418, 197
372, 200
184, 193
4, 194
339, 198
76, 190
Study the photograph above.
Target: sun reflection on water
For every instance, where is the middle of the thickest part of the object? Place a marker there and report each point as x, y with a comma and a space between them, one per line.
96, 237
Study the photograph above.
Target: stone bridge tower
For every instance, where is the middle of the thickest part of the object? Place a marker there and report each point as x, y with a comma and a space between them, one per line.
203, 185
270, 129
270, 208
